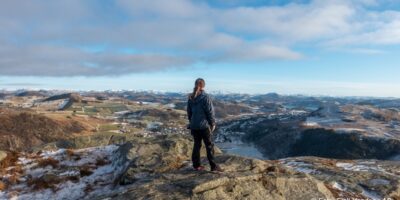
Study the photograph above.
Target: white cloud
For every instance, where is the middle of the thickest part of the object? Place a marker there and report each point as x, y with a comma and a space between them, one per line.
367, 51
51, 60
292, 22
256, 52
40, 36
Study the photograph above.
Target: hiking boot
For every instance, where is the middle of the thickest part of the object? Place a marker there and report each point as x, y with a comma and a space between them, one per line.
217, 169
199, 168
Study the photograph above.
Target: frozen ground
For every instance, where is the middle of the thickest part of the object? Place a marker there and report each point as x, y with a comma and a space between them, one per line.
64, 174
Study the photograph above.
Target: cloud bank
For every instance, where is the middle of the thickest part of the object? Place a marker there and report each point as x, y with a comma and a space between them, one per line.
93, 38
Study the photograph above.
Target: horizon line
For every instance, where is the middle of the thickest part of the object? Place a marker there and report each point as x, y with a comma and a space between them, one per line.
210, 91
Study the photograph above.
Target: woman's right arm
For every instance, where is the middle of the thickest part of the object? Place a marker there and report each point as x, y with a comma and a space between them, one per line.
210, 114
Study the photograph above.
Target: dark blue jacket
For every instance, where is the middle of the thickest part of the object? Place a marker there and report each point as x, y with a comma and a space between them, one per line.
200, 112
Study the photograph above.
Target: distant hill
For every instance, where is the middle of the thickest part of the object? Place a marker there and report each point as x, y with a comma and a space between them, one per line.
22, 130
223, 109
70, 99
31, 93
73, 96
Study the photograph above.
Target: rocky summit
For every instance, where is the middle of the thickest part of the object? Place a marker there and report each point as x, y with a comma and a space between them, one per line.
159, 167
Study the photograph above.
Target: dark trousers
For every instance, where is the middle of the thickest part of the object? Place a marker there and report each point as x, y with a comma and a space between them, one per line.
198, 136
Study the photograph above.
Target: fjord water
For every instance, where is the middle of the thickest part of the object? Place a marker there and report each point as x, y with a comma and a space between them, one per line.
241, 149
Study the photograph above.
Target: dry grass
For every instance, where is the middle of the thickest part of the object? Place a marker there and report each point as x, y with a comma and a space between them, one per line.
72, 155
13, 179
20, 130
34, 156
395, 197
10, 167
15, 170
85, 171
48, 162
40, 183
70, 152
101, 162
44, 183
3, 186
73, 178
10, 160
88, 188
323, 161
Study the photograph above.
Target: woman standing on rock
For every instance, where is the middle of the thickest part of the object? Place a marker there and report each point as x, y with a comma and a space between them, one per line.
202, 123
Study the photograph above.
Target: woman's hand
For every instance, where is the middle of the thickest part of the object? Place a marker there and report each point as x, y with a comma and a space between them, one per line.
212, 128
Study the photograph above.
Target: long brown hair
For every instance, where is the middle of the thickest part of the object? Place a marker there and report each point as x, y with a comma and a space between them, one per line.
199, 84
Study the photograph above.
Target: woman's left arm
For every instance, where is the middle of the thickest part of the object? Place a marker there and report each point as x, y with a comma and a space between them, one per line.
210, 113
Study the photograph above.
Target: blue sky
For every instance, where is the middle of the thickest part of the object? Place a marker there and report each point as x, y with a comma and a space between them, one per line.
315, 47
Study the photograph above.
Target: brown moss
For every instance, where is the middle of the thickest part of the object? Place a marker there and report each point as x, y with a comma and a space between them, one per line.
48, 162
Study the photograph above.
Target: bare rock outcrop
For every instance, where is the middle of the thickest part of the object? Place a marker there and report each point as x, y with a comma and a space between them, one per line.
244, 179
159, 167
162, 168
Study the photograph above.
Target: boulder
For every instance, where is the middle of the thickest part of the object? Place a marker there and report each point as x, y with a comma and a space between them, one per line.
162, 153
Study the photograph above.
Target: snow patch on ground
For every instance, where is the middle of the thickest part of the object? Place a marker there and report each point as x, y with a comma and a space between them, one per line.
338, 186
357, 167
371, 194
2, 195
310, 124
77, 174
349, 130
364, 166
378, 182
300, 166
